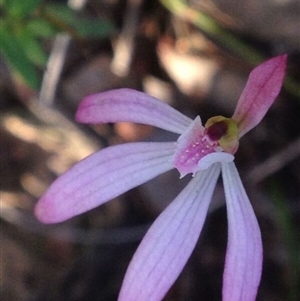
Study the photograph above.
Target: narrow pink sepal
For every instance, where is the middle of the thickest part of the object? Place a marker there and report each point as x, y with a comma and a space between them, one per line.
243, 263
170, 241
262, 88
133, 106
103, 176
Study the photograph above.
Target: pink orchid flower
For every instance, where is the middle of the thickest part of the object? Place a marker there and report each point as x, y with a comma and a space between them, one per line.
203, 151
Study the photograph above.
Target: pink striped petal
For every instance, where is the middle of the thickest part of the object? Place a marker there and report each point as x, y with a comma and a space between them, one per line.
244, 251
170, 241
130, 105
262, 88
103, 176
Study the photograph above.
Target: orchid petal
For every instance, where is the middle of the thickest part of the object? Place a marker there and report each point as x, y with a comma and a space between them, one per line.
244, 251
133, 106
103, 176
262, 88
170, 241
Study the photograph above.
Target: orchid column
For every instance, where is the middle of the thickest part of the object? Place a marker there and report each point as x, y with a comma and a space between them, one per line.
202, 150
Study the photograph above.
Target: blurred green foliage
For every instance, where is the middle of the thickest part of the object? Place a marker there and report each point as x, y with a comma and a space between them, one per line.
25, 24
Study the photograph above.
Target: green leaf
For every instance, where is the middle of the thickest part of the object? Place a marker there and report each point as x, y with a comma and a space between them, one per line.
20, 8
62, 12
68, 20
13, 52
93, 28
41, 28
32, 48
